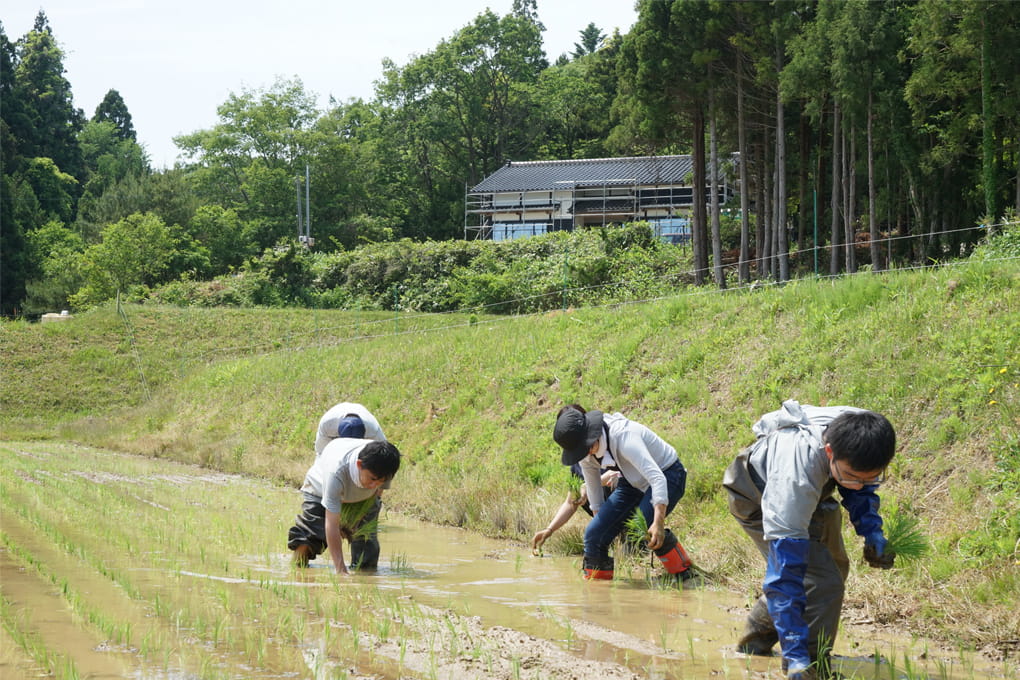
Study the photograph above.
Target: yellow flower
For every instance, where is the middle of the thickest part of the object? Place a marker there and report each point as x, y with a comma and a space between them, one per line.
1001, 371
992, 402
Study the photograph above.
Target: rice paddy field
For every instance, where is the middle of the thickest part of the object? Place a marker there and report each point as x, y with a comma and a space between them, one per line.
150, 460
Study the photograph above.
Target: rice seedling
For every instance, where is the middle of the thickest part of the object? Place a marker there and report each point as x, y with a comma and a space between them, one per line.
572, 485
383, 628
636, 532
399, 564
454, 645
663, 638
352, 517
903, 535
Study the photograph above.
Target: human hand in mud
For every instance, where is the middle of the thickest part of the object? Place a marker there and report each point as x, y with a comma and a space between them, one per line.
805, 674
878, 560
538, 539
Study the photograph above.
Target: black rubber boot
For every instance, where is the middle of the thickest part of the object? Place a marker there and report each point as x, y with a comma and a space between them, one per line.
760, 634
365, 554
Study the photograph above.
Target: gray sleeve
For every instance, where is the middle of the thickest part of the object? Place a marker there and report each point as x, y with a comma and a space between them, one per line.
794, 480
632, 448
332, 492
592, 483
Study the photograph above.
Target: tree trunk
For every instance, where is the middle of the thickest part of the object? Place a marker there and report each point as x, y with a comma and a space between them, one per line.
765, 248
836, 184
743, 268
804, 216
819, 182
851, 199
876, 253
988, 174
781, 251
848, 232
762, 213
717, 265
699, 230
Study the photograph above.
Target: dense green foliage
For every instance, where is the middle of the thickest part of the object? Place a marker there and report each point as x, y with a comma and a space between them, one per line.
470, 401
546, 272
896, 119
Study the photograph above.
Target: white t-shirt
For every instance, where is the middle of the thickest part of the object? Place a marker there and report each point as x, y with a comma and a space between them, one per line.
334, 476
330, 422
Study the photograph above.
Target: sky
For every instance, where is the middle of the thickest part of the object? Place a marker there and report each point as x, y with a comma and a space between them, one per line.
174, 63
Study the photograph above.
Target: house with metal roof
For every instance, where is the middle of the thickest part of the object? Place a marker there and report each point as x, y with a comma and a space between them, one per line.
537, 197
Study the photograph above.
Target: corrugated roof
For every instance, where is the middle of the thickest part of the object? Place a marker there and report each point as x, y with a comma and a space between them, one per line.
567, 174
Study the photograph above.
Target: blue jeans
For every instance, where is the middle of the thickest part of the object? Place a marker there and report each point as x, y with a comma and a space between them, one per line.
612, 516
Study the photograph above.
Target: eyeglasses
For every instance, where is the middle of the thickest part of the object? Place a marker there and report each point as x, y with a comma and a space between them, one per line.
838, 475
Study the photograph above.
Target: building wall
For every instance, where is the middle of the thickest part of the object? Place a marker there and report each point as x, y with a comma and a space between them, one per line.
509, 215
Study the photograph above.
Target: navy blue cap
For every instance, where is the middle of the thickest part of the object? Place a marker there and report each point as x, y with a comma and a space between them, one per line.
351, 427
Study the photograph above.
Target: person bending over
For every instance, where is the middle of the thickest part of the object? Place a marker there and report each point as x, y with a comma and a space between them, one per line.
348, 471
781, 493
652, 480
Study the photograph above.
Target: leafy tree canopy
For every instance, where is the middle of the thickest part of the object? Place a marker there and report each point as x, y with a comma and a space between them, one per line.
114, 110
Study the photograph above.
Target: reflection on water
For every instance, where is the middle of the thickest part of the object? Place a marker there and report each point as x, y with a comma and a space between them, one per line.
130, 567
630, 621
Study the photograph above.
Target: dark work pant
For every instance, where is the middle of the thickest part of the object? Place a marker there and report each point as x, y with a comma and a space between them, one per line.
612, 517
310, 529
827, 563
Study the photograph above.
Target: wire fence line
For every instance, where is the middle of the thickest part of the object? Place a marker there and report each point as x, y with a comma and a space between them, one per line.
423, 323
129, 332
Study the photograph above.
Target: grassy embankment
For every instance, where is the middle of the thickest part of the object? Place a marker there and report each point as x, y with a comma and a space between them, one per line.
471, 406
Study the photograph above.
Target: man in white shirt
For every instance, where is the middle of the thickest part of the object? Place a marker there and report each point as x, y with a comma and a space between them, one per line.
348, 471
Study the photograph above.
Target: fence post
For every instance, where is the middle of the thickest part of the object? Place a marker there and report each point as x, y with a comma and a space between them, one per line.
566, 273
396, 309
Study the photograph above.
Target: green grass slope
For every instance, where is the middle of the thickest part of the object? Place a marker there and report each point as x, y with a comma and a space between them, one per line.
471, 401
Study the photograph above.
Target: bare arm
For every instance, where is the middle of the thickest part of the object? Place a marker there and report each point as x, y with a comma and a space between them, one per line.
565, 512
657, 530
335, 542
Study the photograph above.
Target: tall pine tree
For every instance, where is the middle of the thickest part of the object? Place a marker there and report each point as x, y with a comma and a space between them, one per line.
113, 109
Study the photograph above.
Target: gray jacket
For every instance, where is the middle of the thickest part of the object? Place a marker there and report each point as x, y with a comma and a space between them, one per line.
790, 457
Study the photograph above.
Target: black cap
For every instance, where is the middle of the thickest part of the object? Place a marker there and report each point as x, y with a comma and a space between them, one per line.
576, 432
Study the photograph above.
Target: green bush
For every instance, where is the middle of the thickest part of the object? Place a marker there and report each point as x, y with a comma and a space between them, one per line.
1003, 242
592, 266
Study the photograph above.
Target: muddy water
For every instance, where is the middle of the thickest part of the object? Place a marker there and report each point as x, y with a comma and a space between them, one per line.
117, 566
656, 631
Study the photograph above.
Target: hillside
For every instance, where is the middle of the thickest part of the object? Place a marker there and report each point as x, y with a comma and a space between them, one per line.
470, 402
